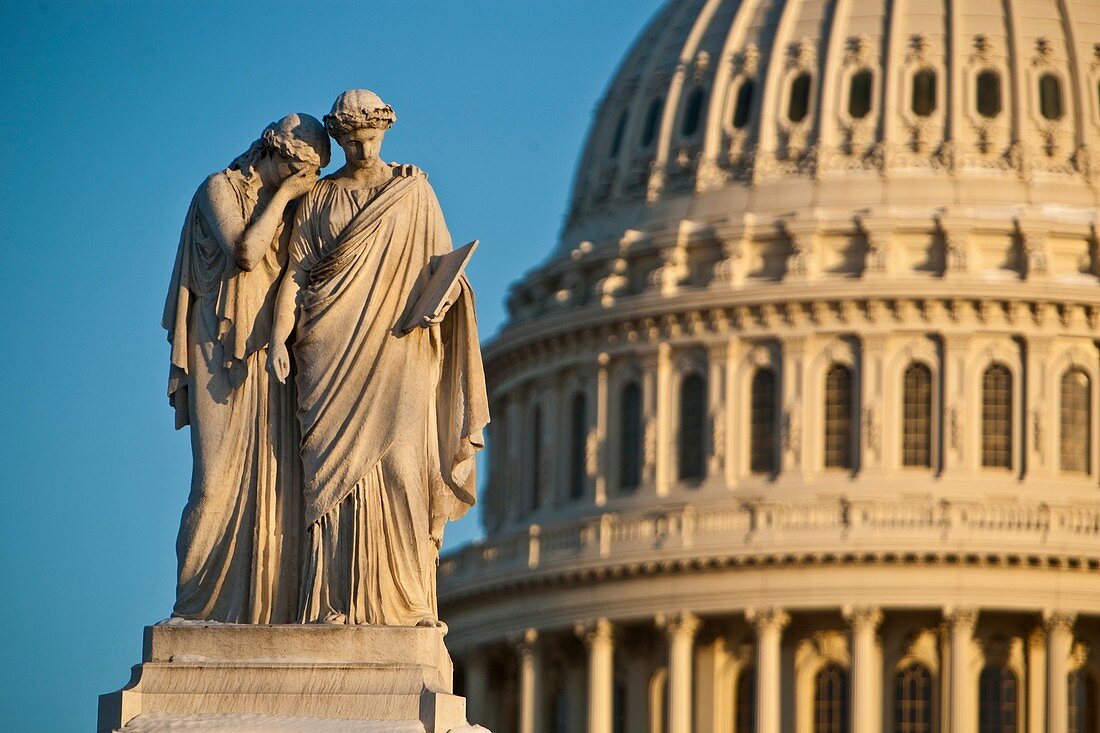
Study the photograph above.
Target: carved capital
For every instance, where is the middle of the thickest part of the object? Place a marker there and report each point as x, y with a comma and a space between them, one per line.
769, 619
961, 619
526, 642
1059, 621
595, 632
863, 618
681, 625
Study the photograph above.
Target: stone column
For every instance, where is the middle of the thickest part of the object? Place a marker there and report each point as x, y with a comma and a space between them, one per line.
681, 630
717, 411
956, 350
769, 623
1039, 445
866, 669
477, 687
791, 395
961, 623
602, 405
1059, 628
1037, 679
599, 641
872, 398
530, 682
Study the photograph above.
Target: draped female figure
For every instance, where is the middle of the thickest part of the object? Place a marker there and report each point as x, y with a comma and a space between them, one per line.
238, 544
391, 421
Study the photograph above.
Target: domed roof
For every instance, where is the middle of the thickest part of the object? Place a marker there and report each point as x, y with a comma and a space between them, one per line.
726, 107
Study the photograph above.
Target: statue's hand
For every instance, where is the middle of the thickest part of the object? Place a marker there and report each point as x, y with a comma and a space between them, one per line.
278, 362
407, 170
299, 183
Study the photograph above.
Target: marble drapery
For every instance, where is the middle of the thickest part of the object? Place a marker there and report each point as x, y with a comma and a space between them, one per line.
238, 545
390, 423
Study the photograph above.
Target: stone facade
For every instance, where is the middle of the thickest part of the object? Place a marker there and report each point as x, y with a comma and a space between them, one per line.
796, 430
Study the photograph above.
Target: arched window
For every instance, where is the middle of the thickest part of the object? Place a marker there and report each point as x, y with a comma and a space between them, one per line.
838, 417
762, 429
1050, 97
860, 91
658, 701
997, 417
630, 431
997, 700
693, 112
693, 419
617, 139
831, 713
798, 106
924, 103
989, 93
1084, 699
745, 713
742, 108
578, 445
913, 699
1076, 422
652, 122
916, 427
536, 458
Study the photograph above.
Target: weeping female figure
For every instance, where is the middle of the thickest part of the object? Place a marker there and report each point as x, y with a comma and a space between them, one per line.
238, 544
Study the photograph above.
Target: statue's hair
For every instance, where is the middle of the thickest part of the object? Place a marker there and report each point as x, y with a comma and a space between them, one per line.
300, 137
357, 109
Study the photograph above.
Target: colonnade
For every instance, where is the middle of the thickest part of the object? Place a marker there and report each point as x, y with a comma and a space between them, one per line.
1043, 692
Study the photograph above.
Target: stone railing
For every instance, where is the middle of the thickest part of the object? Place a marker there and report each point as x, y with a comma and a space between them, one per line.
740, 533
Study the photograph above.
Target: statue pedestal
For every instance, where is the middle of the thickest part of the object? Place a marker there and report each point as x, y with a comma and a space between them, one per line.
229, 677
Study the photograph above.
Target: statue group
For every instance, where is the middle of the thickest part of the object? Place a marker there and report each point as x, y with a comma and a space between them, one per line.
330, 444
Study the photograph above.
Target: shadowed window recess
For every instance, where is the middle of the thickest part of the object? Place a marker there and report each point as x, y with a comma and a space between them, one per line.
1050, 97
923, 102
860, 94
693, 418
742, 107
763, 427
693, 112
997, 417
798, 106
839, 422
1076, 421
913, 699
745, 701
630, 437
998, 697
831, 700
916, 437
652, 122
989, 93
536, 458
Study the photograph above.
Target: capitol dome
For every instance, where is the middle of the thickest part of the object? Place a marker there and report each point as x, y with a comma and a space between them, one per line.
796, 430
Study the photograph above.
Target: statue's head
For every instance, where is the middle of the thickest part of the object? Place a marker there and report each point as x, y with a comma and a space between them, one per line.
295, 142
358, 121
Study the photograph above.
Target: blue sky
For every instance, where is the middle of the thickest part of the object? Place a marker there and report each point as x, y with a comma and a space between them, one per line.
111, 114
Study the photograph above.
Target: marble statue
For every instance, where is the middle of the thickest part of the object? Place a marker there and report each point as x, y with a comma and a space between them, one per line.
324, 353
390, 420
240, 532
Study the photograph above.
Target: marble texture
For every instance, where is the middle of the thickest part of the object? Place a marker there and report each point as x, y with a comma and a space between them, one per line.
228, 674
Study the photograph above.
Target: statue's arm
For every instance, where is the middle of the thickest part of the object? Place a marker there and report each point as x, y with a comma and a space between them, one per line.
247, 245
286, 313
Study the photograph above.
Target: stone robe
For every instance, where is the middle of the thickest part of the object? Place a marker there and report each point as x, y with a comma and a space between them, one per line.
237, 547
390, 423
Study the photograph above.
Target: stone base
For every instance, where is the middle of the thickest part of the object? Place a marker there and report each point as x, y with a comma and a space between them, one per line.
229, 677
